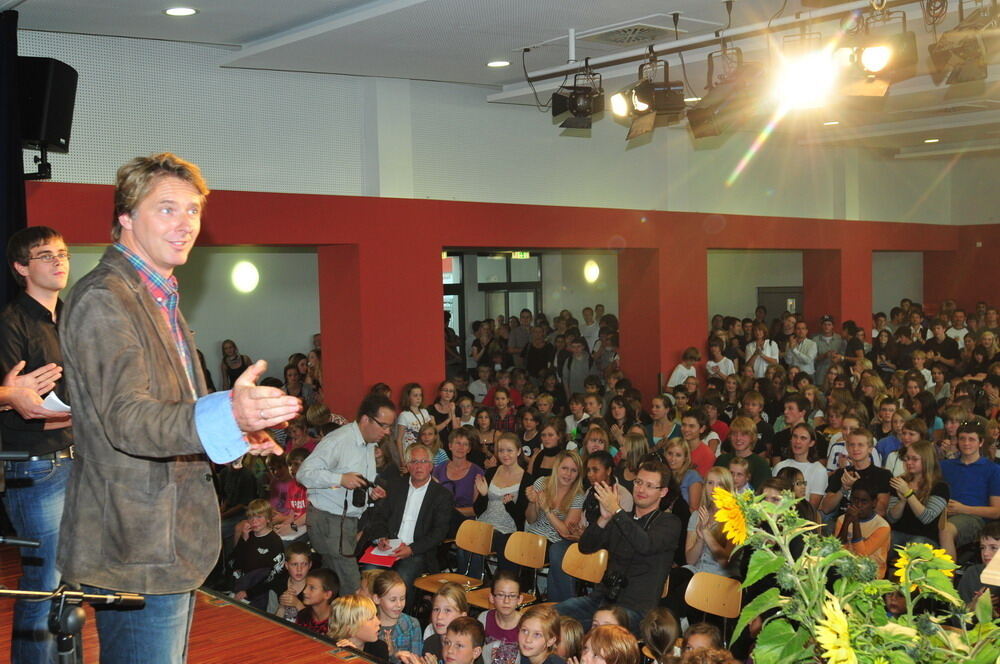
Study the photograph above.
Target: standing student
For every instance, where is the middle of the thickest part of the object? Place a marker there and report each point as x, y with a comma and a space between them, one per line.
35, 488
762, 352
143, 423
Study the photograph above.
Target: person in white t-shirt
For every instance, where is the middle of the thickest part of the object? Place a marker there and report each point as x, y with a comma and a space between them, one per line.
718, 367
803, 446
411, 417
685, 369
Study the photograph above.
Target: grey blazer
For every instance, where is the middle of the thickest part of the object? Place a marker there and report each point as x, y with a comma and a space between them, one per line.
141, 512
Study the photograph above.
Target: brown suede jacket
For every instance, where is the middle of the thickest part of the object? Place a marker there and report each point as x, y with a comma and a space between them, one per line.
141, 512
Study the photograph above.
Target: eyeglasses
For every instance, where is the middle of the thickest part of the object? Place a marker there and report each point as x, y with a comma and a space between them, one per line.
642, 484
62, 257
382, 425
418, 462
506, 596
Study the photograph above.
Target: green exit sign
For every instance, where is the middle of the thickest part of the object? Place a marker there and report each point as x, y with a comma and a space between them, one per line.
520, 254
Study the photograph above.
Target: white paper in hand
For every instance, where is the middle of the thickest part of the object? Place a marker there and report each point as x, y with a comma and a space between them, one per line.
391, 551
53, 402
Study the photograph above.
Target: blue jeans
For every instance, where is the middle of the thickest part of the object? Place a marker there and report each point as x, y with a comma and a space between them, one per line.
34, 500
155, 634
561, 585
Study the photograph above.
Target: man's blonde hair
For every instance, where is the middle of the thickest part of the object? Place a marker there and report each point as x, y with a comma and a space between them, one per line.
136, 178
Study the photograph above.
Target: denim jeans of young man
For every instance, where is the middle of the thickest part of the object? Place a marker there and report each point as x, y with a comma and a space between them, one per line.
34, 500
154, 634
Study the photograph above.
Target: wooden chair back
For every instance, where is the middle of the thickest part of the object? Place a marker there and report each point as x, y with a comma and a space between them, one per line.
475, 537
715, 594
589, 567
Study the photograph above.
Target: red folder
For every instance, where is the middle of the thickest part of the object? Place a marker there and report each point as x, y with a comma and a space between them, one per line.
372, 559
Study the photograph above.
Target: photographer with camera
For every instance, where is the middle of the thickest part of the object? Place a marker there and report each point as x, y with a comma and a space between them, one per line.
640, 545
335, 477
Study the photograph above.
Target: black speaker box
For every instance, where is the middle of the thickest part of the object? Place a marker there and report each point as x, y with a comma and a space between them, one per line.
47, 96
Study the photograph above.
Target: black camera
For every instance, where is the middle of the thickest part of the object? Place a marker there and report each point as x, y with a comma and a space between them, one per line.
591, 507
359, 496
615, 582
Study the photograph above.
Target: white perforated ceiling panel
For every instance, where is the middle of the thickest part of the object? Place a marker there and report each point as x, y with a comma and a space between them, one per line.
248, 130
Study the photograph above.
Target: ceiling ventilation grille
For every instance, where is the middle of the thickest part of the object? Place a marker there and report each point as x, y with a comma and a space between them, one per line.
631, 35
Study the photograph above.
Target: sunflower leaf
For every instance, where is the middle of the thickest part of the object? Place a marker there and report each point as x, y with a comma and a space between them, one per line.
770, 599
762, 563
984, 608
773, 641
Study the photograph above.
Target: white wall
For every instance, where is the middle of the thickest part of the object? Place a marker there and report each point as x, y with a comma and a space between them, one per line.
276, 320
733, 278
895, 275
564, 287
311, 133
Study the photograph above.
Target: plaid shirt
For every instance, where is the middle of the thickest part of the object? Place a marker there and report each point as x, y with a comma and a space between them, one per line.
166, 295
507, 422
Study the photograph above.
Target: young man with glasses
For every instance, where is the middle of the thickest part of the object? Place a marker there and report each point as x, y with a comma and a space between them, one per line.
640, 544
344, 461
36, 488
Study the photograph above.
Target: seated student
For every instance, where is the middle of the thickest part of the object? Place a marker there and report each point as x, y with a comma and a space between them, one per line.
860, 472
795, 479
706, 548
258, 555
570, 639
864, 532
803, 458
354, 624
600, 468
659, 631
677, 456
662, 427
953, 417
911, 430
538, 633
367, 580
886, 432
321, 589
742, 439
294, 526
449, 603
975, 489
701, 636
288, 586
702, 443
753, 407
920, 496
501, 622
400, 631
971, 586
610, 644
837, 449
740, 470
712, 405
576, 417
610, 614
796, 407
463, 641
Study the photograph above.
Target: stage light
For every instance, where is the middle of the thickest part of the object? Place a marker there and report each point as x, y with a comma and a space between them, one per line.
805, 81
876, 58
498, 64
652, 101
960, 54
871, 63
582, 100
729, 99
180, 11
591, 271
245, 277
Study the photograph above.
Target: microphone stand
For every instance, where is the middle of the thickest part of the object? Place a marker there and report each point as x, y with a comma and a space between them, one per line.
67, 617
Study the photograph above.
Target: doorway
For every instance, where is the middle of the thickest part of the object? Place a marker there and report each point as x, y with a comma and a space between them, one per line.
777, 299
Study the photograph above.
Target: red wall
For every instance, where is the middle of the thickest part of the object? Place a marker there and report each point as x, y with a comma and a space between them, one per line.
380, 270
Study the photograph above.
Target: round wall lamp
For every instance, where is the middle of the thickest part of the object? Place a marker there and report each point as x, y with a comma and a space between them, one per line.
591, 271
245, 277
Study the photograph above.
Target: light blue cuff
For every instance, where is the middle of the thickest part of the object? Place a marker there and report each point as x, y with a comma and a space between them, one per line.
221, 438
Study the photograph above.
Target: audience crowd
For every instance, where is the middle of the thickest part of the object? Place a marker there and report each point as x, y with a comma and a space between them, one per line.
886, 434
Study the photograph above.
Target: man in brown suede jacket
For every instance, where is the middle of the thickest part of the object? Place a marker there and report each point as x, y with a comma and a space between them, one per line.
141, 513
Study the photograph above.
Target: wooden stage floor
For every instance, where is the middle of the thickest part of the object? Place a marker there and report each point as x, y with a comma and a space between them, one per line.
222, 632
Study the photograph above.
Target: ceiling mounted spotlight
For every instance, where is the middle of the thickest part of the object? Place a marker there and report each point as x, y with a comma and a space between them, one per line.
961, 54
872, 62
652, 101
730, 98
807, 74
582, 100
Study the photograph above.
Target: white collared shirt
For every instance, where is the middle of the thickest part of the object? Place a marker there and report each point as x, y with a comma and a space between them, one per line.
414, 500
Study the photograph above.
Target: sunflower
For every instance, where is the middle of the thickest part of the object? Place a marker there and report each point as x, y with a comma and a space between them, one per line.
832, 634
730, 515
921, 553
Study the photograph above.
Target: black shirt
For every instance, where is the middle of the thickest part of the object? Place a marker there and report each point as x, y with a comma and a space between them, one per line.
873, 478
27, 332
